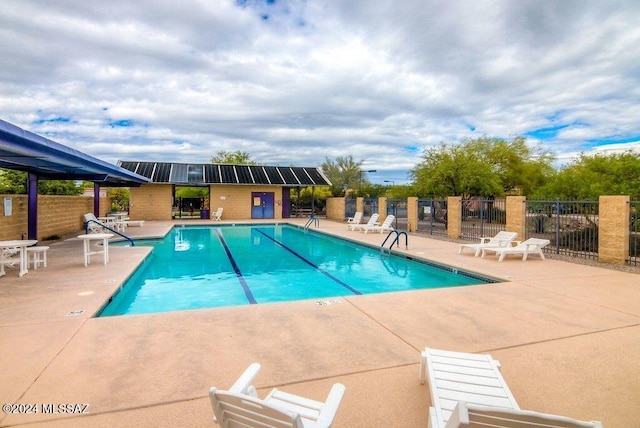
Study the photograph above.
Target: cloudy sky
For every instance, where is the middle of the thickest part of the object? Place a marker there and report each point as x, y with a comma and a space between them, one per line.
295, 82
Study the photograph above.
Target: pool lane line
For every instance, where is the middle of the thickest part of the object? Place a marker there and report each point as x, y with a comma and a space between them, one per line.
236, 269
310, 263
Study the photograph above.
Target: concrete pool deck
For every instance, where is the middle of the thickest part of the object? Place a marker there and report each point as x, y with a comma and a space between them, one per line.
567, 336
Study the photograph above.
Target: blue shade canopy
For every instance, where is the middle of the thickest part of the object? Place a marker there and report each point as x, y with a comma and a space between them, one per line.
25, 151
205, 174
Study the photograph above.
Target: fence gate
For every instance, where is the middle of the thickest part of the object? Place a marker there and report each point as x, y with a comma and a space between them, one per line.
432, 216
349, 207
483, 217
398, 207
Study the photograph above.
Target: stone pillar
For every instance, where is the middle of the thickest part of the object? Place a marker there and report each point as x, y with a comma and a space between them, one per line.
516, 207
412, 214
382, 208
613, 229
360, 204
454, 217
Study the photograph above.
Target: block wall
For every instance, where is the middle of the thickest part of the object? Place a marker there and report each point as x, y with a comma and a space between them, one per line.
57, 215
236, 200
151, 202
412, 214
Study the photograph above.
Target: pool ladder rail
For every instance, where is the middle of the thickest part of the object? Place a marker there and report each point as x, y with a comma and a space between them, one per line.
313, 220
396, 240
104, 226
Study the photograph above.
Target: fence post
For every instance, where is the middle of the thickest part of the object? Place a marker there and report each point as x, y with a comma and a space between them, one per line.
412, 214
336, 209
516, 207
382, 208
454, 217
613, 229
360, 204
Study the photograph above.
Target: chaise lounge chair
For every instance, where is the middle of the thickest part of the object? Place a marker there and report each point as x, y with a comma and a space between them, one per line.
384, 227
530, 246
468, 390
502, 239
468, 415
241, 407
356, 219
373, 220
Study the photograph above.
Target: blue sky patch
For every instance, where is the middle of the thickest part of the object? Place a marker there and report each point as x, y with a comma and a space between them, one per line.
58, 119
614, 139
122, 123
546, 133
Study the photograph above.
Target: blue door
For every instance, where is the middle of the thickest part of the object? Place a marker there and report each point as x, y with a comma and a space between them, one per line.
262, 204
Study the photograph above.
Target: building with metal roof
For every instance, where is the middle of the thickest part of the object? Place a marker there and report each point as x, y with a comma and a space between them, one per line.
242, 191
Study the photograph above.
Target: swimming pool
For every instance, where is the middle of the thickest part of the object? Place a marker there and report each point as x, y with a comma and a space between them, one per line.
197, 267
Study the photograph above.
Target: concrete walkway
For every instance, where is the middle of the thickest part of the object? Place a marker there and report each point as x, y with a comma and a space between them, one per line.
567, 335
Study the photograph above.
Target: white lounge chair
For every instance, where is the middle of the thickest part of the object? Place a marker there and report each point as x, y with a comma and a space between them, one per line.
384, 227
469, 415
530, 246
93, 224
241, 407
502, 239
373, 220
458, 376
356, 219
217, 216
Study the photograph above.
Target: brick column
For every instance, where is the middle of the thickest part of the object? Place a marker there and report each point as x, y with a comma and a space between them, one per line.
382, 208
613, 229
454, 217
360, 204
335, 209
412, 214
517, 216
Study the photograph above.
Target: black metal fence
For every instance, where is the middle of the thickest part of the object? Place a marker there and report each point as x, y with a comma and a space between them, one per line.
432, 216
483, 217
571, 226
398, 207
370, 207
634, 234
349, 207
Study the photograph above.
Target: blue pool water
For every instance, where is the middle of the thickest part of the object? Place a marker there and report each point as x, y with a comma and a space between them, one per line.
206, 267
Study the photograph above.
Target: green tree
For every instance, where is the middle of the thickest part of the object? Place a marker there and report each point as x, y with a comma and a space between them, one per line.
481, 167
119, 198
589, 176
344, 173
15, 182
237, 158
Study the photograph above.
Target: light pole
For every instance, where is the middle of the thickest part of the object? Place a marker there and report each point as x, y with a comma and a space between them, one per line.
362, 178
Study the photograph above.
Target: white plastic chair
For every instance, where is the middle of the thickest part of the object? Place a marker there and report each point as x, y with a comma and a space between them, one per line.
241, 407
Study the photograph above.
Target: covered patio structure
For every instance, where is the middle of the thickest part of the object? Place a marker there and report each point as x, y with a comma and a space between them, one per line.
44, 159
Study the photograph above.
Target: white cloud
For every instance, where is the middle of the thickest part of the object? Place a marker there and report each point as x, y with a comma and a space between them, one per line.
293, 82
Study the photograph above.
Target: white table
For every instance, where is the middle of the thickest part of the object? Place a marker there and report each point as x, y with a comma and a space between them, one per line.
86, 239
21, 245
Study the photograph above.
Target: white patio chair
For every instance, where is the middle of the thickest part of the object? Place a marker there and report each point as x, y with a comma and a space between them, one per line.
384, 227
373, 220
217, 215
241, 407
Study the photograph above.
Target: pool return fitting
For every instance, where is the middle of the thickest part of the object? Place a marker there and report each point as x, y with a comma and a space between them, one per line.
396, 240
